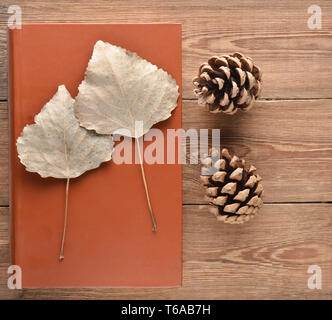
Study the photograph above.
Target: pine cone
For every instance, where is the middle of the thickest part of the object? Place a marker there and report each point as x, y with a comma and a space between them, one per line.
234, 192
228, 83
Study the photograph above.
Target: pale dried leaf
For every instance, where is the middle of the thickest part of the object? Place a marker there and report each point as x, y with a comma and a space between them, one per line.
56, 146
120, 88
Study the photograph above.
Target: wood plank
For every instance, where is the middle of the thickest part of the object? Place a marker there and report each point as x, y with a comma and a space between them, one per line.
5, 293
3, 60
4, 154
296, 61
4, 235
267, 258
289, 142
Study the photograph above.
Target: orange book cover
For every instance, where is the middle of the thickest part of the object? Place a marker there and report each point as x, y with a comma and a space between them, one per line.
109, 241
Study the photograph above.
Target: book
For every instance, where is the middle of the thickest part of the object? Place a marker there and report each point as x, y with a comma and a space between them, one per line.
109, 239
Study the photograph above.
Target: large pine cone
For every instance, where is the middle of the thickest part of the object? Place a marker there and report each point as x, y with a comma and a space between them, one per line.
234, 192
228, 83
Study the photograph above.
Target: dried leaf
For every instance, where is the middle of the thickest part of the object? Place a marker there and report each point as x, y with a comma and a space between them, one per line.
56, 146
120, 88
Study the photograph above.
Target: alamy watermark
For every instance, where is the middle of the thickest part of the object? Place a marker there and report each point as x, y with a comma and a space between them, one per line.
168, 147
315, 281
15, 19
15, 278
315, 20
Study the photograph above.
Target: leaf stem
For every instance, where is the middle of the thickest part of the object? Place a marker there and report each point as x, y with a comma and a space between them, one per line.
61, 257
154, 224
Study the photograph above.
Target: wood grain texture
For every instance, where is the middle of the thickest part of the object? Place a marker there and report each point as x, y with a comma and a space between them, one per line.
289, 142
3, 57
296, 61
265, 258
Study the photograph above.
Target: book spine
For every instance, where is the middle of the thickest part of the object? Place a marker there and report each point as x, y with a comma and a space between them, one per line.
13, 100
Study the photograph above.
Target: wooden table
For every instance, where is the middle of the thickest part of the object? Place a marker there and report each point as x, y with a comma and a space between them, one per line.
287, 136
